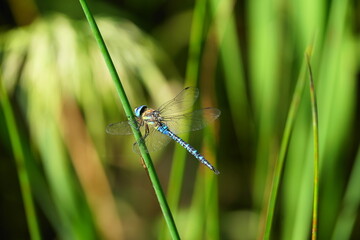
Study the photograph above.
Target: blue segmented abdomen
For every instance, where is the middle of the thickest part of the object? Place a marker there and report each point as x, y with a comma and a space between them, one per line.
165, 130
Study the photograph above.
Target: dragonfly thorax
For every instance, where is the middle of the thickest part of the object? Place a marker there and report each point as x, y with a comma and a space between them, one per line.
152, 117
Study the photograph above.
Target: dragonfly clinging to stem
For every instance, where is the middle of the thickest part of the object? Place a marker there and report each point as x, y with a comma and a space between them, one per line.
164, 123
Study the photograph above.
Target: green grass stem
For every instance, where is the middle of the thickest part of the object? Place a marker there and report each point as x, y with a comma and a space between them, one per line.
264, 88
230, 55
283, 149
20, 160
191, 79
128, 111
316, 152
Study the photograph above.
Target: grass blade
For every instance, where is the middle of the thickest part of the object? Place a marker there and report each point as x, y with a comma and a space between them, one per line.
283, 149
191, 79
128, 110
230, 55
316, 151
21, 166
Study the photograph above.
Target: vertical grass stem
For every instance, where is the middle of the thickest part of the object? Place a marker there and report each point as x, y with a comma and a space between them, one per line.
316, 152
283, 149
20, 160
128, 111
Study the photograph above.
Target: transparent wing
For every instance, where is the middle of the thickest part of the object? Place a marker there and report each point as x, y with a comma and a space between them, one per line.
191, 121
154, 141
120, 128
181, 103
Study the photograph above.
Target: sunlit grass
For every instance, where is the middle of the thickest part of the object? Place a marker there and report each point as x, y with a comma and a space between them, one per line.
61, 72
278, 171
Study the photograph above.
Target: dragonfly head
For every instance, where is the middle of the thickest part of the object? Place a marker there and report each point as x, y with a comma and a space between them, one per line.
139, 110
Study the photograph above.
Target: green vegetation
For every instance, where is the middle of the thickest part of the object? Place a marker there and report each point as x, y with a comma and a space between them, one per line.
63, 177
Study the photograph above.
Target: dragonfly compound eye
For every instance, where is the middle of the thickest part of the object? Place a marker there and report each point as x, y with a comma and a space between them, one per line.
139, 110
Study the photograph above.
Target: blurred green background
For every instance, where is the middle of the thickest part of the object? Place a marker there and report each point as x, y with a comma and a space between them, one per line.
62, 177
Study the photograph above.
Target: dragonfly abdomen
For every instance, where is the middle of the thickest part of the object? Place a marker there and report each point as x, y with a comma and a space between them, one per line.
165, 130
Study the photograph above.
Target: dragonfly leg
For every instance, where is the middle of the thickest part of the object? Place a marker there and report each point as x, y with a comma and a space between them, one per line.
143, 162
147, 130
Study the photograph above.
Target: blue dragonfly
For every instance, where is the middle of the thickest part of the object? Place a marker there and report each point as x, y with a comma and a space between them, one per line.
161, 125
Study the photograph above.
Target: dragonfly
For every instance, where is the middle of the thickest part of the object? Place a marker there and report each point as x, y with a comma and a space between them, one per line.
161, 125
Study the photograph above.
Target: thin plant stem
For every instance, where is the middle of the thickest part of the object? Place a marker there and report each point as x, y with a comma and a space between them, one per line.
128, 111
191, 79
316, 152
20, 160
283, 149
192, 75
